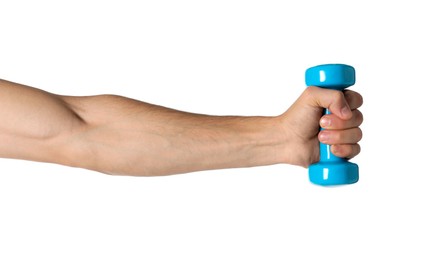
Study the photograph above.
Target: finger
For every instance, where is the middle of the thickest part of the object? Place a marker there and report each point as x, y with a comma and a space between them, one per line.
345, 150
331, 99
333, 122
354, 99
347, 136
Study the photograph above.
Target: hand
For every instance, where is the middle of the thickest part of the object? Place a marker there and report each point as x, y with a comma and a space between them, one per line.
302, 120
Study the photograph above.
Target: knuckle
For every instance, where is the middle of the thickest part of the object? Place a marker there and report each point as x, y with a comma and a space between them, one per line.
356, 150
358, 116
310, 90
338, 95
354, 98
360, 99
309, 93
359, 134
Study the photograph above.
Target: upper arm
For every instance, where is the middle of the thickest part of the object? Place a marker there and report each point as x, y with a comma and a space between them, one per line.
34, 124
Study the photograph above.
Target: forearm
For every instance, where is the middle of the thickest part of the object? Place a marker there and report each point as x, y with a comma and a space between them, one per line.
129, 137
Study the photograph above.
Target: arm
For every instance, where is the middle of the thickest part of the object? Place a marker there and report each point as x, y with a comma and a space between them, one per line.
118, 135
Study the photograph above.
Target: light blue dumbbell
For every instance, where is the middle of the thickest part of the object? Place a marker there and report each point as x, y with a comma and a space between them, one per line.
331, 170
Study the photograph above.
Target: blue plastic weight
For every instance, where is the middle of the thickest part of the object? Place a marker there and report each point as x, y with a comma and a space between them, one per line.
331, 170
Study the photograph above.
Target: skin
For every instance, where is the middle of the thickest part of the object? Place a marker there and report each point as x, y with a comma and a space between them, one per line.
122, 136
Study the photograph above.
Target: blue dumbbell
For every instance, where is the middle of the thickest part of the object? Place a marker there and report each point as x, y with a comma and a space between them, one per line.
331, 170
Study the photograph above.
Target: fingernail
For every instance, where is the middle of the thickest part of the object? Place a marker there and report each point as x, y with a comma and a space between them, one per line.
323, 137
325, 122
335, 149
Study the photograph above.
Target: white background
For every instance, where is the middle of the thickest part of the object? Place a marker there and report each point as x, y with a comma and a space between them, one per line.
237, 58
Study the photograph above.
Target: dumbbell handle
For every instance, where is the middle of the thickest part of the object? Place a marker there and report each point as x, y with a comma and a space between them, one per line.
325, 149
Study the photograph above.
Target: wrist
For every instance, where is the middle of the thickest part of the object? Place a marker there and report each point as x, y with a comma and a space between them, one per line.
292, 148
273, 142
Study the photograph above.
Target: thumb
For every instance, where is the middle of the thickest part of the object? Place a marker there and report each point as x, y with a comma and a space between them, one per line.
333, 100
